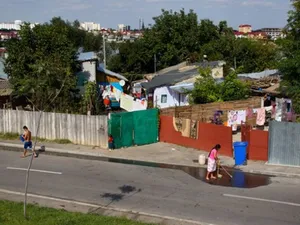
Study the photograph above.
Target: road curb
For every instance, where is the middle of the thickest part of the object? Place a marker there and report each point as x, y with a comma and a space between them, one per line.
88, 156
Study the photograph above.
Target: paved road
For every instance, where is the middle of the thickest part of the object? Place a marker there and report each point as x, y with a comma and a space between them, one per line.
153, 190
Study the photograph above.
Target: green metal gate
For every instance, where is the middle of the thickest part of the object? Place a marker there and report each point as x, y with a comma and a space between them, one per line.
134, 128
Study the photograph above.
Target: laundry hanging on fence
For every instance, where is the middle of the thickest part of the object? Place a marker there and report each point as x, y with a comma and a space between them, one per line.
261, 116
250, 117
126, 102
139, 105
117, 93
279, 105
249, 113
236, 118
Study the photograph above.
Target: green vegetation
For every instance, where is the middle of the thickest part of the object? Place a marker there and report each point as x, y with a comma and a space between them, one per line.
91, 99
9, 136
16, 136
290, 64
178, 36
42, 64
207, 90
12, 214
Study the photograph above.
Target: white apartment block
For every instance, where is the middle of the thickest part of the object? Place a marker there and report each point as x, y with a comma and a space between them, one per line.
121, 27
90, 26
16, 25
274, 33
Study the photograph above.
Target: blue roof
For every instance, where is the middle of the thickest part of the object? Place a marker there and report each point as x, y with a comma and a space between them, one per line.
3, 75
108, 72
87, 56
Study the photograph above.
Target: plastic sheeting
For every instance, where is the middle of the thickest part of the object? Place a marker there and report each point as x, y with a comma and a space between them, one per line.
134, 128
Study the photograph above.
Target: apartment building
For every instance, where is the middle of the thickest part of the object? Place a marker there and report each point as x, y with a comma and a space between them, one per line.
274, 33
245, 28
90, 26
16, 25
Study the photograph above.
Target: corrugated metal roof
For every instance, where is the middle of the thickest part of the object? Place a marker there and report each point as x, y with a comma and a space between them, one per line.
5, 88
181, 88
86, 56
108, 72
4, 84
179, 74
5, 92
169, 79
211, 64
188, 86
259, 75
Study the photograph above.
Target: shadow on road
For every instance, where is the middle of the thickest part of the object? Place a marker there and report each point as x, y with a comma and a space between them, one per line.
126, 192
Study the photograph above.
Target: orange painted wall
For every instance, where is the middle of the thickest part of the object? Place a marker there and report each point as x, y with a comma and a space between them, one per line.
258, 143
208, 136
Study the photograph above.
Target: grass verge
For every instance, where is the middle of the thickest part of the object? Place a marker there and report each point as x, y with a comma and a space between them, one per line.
11, 213
15, 136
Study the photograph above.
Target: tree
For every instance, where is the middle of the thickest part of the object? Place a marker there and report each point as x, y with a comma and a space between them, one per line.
234, 89
246, 54
80, 38
41, 64
179, 36
91, 101
205, 89
290, 64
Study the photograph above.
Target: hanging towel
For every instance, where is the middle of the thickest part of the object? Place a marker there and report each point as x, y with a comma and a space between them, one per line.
261, 117
249, 113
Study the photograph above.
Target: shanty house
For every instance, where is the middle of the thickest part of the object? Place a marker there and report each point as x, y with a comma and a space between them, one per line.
169, 87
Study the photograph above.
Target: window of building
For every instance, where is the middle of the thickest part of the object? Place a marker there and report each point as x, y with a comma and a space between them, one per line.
163, 98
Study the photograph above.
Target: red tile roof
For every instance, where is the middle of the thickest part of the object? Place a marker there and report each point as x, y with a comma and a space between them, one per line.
245, 25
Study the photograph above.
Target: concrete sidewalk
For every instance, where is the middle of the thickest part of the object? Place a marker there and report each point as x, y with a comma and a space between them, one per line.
157, 153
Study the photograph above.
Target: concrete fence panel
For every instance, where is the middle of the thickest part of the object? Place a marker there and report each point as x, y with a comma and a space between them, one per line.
80, 129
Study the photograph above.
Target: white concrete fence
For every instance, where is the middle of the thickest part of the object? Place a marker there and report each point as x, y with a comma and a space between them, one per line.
79, 129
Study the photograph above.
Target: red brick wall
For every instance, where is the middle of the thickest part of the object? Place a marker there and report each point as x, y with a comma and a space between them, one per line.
208, 136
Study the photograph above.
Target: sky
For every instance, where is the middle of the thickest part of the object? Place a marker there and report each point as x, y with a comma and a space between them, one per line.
110, 13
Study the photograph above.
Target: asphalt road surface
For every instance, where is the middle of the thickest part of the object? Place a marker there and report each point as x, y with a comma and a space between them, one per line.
159, 191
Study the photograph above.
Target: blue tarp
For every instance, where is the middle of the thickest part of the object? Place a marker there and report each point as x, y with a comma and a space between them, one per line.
86, 56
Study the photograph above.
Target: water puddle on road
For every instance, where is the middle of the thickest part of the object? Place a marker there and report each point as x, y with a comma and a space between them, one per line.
239, 178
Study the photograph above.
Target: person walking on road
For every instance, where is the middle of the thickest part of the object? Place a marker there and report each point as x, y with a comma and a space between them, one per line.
212, 162
26, 138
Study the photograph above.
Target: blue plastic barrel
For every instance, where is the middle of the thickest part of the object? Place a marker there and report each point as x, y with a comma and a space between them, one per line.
240, 152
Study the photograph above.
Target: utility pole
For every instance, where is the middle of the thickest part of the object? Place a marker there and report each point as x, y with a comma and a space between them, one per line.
30, 164
235, 63
154, 63
104, 52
